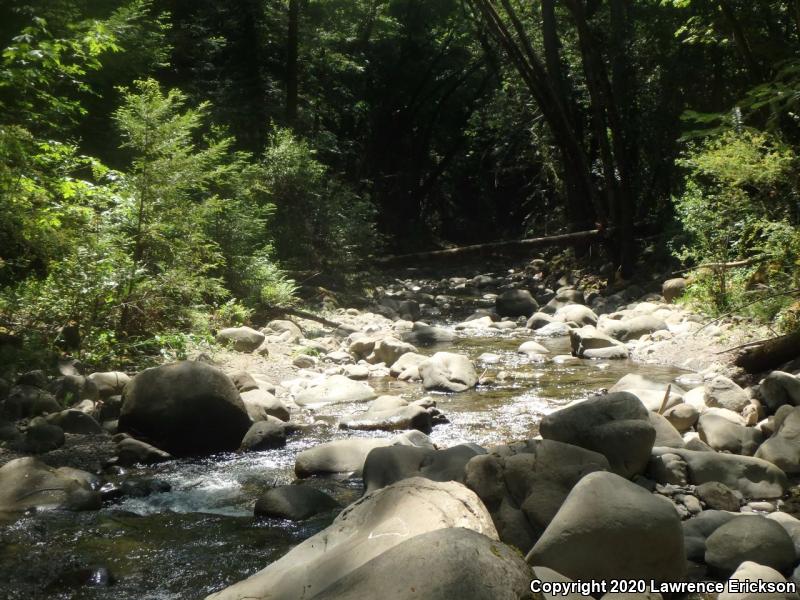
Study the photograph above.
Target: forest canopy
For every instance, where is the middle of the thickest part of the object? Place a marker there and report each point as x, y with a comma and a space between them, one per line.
172, 166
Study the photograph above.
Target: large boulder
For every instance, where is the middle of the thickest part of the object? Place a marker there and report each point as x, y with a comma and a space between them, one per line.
666, 434
697, 530
293, 502
615, 425
27, 483
783, 448
75, 421
388, 350
516, 303
185, 408
408, 364
576, 313
631, 328
265, 435
448, 372
610, 528
433, 566
131, 451
348, 456
243, 339
750, 538
749, 579
111, 383
524, 484
672, 289
389, 464
422, 334
336, 389
25, 401
721, 392
724, 436
779, 388
390, 413
589, 342
260, 405
753, 477
366, 529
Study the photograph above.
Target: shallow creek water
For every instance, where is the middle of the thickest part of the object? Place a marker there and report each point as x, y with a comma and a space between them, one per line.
201, 535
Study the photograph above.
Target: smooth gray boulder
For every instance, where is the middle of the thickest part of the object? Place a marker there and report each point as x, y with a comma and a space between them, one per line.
26, 483
388, 350
516, 303
261, 405
783, 448
185, 408
131, 451
26, 401
75, 421
791, 525
293, 502
672, 289
754, 573
243, 339
389, 464
682, 416
448, 372
433, 566
615, 425
110, 383
422, 334
589, 342
576, 313
753, 477
631, 328
41, 436
606, 529
364, 530
538, 320
408, 361
750, 538
524, 484
717, 496
697, 530
666, 434
724, 436
778, 389
336, 389
721, 392
264, 435
390, 413
348, 456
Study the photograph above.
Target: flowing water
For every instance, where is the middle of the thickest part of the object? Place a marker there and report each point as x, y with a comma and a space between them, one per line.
201, 536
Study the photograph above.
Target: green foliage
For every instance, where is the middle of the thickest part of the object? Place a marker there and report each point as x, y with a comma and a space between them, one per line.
318, 222
740, 203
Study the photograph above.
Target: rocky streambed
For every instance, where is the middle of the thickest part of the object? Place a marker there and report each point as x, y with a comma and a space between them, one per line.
453, 419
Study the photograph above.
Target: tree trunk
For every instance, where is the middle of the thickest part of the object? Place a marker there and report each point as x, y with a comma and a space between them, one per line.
292, 62
741, 40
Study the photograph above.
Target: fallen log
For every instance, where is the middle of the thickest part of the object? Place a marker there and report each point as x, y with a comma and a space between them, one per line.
770, 354
724, 266
565, 239
302, 314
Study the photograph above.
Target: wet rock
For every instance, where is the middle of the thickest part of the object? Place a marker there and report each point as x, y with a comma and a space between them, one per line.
426, 335
783, 448
366, 529
697, 530
724, 436
293, 502
390, 464
576, 313
753, 477
265, 435
524, 484
243, 339
598, 533
388, 350
432, 566
554, 329
348, 456
27, 483
718, 496
750, 538
186, 408
448, 372
356, 372
516, 303
92, 577
336, 389
408, 362
721, 392
390, 413
538, 320
532, 348
616, 425
261, 405
589, 342
131, 451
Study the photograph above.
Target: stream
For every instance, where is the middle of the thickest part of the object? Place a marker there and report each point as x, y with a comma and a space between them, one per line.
201, 536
